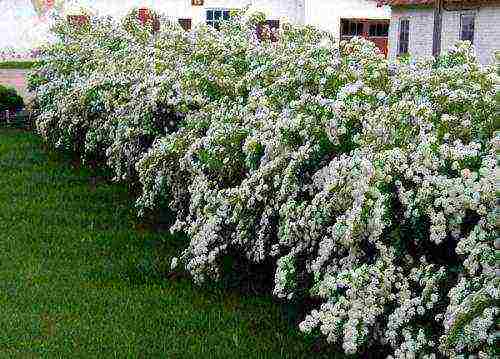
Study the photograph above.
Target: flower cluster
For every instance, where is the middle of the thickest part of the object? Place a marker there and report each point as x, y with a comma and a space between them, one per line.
369, 184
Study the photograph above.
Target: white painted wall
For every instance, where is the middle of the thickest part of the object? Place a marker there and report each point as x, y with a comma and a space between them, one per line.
21, 28
486, 32
326, 14
283, 10
289, 10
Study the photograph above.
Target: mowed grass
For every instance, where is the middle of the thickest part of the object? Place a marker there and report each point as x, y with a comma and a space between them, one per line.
17, 64
80, 279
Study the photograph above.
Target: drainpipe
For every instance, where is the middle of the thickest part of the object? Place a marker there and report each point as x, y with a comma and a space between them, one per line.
438, 23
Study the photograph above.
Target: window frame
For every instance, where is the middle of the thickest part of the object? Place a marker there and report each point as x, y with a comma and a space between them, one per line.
216, 22
461, 29
381, 29
358, 25
401, 40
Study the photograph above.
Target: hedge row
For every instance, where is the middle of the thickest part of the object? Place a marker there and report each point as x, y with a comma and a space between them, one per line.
369, 185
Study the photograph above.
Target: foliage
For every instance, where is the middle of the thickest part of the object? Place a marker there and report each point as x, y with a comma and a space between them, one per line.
369, 184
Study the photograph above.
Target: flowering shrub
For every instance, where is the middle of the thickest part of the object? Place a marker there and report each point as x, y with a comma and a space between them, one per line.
370, 185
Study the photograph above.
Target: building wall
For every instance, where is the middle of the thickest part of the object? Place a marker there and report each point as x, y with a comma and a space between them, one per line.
283, 10
29, 29
292, 11
22, 27
326, 14
486, 32
421, 28
289, 10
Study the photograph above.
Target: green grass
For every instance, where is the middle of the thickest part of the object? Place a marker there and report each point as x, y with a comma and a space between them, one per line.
80, 279
18, 65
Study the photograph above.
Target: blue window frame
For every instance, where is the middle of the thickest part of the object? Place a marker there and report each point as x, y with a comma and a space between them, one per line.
215, 16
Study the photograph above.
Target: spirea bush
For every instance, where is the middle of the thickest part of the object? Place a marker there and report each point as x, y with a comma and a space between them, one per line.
370, 185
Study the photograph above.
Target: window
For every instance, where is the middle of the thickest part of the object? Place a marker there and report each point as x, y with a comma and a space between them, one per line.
185, 24
351, 28
379, 30
467, 27
273, 25
78, 20
215, 16
404, 36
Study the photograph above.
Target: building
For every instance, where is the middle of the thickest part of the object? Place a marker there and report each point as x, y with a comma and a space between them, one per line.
348, 18
415, 24
344, 18
201, 11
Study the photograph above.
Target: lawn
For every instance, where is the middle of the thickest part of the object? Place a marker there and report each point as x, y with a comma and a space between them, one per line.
79, 278
17, 64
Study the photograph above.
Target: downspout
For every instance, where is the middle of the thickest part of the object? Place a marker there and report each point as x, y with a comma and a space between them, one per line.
438, 24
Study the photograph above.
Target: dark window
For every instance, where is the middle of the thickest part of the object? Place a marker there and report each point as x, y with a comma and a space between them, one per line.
78, 20
351, 28
215, 16
467, 27
404, 36
379, 29
185, 24
272, 25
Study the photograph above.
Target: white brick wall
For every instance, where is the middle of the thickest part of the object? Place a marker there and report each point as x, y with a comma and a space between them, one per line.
486, 32
421, 25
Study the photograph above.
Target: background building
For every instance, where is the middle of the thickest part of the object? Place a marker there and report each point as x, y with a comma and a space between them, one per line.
412, 27
26, 22
347, 18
